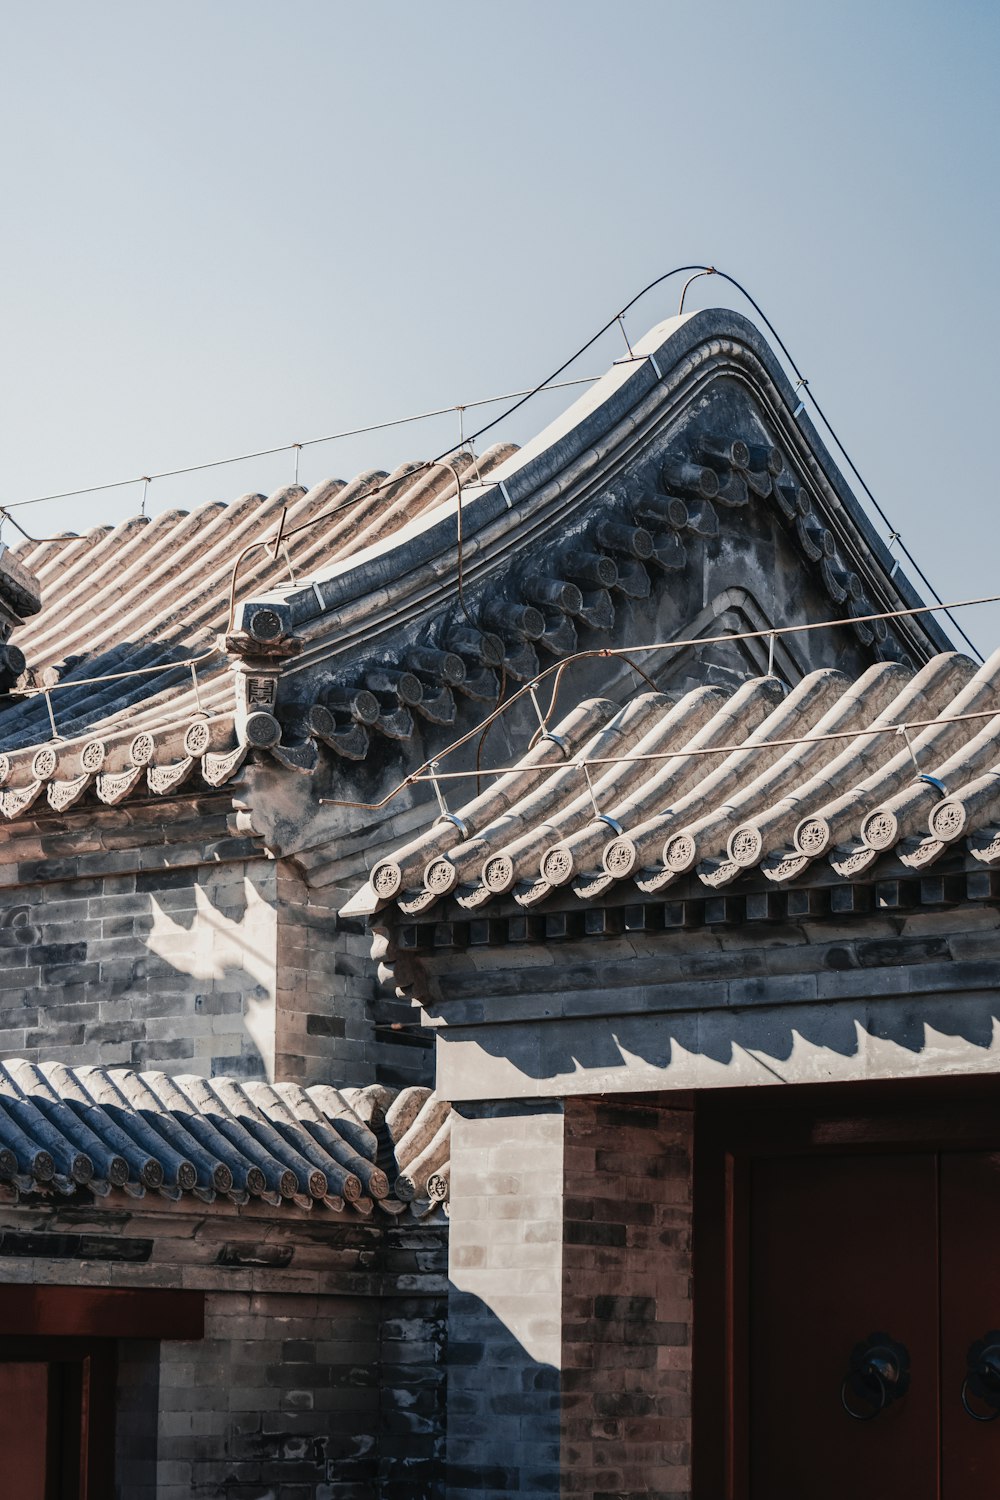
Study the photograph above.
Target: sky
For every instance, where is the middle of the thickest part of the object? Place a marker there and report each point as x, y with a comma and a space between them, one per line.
231, 225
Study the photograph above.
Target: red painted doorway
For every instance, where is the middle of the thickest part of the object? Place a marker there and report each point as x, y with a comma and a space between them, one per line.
831, 1233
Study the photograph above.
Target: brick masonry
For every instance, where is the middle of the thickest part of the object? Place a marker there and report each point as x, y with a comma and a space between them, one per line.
147, 937
505, 1261
321, 1374
626, 1308
171, 969
570, 1313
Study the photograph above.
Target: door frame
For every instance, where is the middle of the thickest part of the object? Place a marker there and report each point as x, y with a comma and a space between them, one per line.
81, 1423
732, 1128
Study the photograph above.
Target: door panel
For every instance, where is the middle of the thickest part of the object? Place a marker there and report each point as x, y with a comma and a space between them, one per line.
841, 1247
24, 1395
970, 1308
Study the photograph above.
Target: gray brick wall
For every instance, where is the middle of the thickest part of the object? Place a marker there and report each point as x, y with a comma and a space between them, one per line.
626, 1304
321, 1378
169, 969
134, 944
505, 1267
280, 1399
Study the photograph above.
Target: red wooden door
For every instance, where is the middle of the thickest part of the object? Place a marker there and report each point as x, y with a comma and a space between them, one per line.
970, 1309
841, 1247
24, 1428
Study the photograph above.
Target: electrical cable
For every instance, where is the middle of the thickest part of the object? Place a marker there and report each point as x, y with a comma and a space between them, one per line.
559, 668
807, 391
523, 397
803, 383
332, 437
660, 755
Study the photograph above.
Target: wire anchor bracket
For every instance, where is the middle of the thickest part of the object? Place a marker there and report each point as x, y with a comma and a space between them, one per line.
445, 815
933, 781
801, 385
599, 817
545, 733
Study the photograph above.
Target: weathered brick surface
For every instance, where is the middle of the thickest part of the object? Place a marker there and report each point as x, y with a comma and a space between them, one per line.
328, 1028
626, 1301
280, 1398
412, 1364
322, 1379
506, 1275
170, 968
146, 936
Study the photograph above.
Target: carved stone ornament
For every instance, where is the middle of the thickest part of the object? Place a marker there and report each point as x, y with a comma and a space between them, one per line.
880, 829
680, 853
386, 879
498, 873
557, 865
92, 756
812, 837
44, 763
947, 820
440, 876
746, 846
197, 738
142, 749
619, 858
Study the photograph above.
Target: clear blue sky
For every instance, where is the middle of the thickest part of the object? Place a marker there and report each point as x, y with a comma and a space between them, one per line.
231, 224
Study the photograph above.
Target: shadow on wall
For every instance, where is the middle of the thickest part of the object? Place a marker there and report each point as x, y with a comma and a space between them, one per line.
802, 1041
210, 947
175, 971
503, 1408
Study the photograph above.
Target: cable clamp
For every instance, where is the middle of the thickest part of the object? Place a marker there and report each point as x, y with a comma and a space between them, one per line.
800, 385
892, 539
506, 497
319, 597
455, 821
52, 718
933, 781
544, 732
445, 815
656, 369
599, 817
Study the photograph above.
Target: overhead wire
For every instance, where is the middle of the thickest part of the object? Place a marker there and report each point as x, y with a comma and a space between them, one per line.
895, 727
331, 437
806, 389
521, 398
624, 652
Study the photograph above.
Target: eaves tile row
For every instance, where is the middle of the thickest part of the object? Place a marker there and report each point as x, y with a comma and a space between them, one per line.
107, 1131
718, 785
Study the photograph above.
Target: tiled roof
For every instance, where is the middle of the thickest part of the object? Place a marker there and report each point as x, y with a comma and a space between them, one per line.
108, 1130
155, 593
761, 779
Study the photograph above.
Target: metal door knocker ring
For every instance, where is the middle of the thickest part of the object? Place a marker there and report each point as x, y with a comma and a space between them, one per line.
982, 1378
879, 1374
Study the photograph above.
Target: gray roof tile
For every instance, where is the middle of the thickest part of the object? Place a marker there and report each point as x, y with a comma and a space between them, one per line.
103, 1130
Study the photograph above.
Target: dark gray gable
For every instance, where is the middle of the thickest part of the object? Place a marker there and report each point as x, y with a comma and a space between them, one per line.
684, 497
